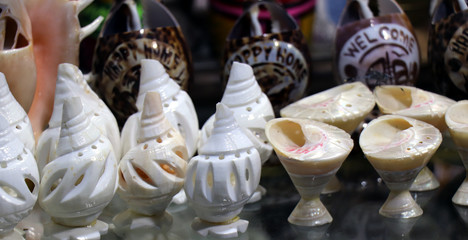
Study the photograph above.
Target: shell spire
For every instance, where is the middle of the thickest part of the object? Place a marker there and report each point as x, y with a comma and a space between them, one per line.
10, 144
153, 77
227, 136
153, 121
76, 131
242, 87
62, 92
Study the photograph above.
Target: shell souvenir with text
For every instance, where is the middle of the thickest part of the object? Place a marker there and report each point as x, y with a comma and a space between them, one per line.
267, 38
375, 44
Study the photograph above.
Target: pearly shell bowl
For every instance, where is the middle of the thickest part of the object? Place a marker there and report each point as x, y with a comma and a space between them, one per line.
311, 152
418, 104
457, 121
344, 106
71, 83
19, 180
223, 177
252, 110
153, 171
177, 105
82, 179
399, 148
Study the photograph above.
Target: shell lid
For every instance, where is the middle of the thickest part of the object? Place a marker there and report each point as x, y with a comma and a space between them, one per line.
242, 87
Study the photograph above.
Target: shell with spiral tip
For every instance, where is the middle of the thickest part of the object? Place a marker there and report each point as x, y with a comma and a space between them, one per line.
252, 108
12, 111
344, 106
19, 179
177, 105
70, 83
221, 179
413, 102
82, 179
153, 171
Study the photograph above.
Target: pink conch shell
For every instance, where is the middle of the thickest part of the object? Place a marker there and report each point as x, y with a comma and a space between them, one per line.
47, 33
153, 171
12, 111
82, 179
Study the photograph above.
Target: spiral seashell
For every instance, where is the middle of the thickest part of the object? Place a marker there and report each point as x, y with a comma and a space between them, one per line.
12, 111
82, 179
19, 179
413, 102
343, 106
252, 108
70, 83
178, 106
153, 171
221, 179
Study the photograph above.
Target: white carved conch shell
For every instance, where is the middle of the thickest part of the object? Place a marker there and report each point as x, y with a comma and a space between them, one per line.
343, 106
81, 181
19, 179
12, 111
252, 108
70, 83
178, 106
221, 179
153, 171
413, 102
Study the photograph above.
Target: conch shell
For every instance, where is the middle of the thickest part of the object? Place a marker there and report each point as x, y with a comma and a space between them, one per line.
153, 171
221, 179
19, 179
12, 111
28, 46
82, 179
413, 102
344, 106
178, 106
252, 108
70, 83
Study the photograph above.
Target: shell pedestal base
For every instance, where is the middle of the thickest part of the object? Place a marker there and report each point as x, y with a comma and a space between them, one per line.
310, 212
94, 231
131, 225
15, 234
425, 181
333, 186
400, 204
257, 195
229, 230
461, 196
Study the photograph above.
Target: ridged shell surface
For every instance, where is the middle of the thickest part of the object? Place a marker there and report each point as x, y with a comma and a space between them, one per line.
19, 179
221, 179
12, 111
343, 106
413, 102
82, 179
398, 143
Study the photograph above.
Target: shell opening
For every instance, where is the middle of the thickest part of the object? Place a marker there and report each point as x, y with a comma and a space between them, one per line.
122, 181
94, 147
3, 164
179, 153
80, 154
249, 109
31, 185
247, 175
209, 179
394, 98
169, 169
18, 127
143, 175
145, 146
55, 184
79, 180
10, 191
233, 179
159, 140
221, 156
292, 133
19, 158
13, 39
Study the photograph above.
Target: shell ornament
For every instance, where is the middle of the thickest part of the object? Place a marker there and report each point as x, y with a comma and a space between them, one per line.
177, 105
82, 179
447, 49
12, 111
278, 54
376, 49
343, 106
71, 83
153, 171
121, 45
311, 152
19, 180
223, 177
399, 148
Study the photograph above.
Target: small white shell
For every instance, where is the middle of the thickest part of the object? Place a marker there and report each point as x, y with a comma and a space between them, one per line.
252, 108
343, 106
413, 102
153, 171
178, 106
12, 111
19, 179
221, 179
70, 83
82, 180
